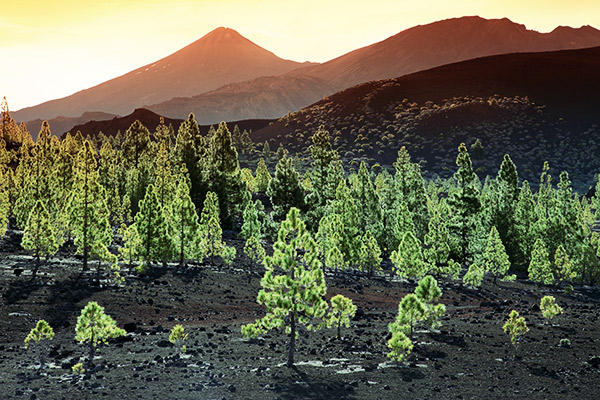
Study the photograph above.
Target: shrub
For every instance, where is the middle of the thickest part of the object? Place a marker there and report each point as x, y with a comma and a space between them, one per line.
178, 338
95, 327
39, 336
342, 309
549, 308
516, 327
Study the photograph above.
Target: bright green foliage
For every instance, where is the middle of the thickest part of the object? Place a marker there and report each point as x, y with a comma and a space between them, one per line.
549, 308
262, 176
163, 134
540, 270
369, 256
251, 225
178, 338
404, 222
437, 245
411, 311
109, 179
408, 259
495, 259
293, 286
410, 189
464, 204
247, 177
165, 183
524, 218
184, 222
39, 335
474, 275
132, 244
516, 327
211, 242
328, 236
400, 346
224, 176
136, 144
322, 154
370, 215
38, 235
428, 292
151, 225
254, 250
187, 152
285, 189
89, 214
95, 327
564, 268
334, 258
346, 207
342, 309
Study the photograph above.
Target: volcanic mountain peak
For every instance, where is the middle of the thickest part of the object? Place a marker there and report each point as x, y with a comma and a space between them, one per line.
221, 57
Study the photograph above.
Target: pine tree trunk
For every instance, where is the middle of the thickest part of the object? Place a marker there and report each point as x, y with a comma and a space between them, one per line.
339, 331
91, 351
292, 348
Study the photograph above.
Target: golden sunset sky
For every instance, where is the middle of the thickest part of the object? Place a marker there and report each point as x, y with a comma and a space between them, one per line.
51, 49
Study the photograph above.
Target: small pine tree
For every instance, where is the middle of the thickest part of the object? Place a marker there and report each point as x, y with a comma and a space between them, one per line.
411, 311
516, 327
178, 338
495, 259
428, 292
293, 285
132, 245
400, 346
38, 235
369, 254
474, 275
564, 268
540, 270
342, 310
408, 259
285, 189
184, 222
255, 252
95, 327
40, 335
262, 176
549, 308
211, 242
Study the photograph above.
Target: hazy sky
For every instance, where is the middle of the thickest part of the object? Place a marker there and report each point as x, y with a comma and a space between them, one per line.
51, 49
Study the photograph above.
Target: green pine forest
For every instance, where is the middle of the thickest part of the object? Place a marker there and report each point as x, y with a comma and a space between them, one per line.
150, 197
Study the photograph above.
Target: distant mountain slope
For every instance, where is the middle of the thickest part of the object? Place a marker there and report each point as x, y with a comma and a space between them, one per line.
222, 56
444, 42
264, 97
151, 120
534, 106
59, 125
415, 49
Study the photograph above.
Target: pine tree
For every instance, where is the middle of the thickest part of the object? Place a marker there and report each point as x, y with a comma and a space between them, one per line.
370, 215
263, 177
564, 270
251, 226
342, 309
404, 222
495, 259
151, 225
428, 292
369, 258
136, 143
464, 203
293, 285
132, 245
95, 327
540, 270
474, 275
408, 259
285, 189
437, 246
346, 207
525, 218
163, 134
165, 182
255, 252
38, 235
411, 311
211, 242
184, 222
87, 208
410, 188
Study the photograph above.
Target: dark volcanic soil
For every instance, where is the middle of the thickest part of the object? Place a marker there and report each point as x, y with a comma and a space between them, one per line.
470, 357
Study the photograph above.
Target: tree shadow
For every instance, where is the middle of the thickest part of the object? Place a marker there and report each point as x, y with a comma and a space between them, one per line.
298, 384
